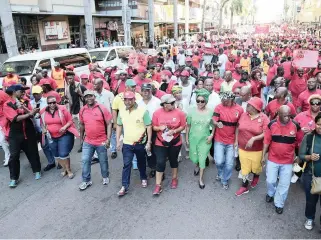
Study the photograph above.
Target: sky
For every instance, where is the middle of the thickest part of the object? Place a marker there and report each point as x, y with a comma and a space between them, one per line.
269, 10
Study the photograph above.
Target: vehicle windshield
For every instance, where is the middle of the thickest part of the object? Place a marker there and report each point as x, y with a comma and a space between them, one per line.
100, 56
22, 68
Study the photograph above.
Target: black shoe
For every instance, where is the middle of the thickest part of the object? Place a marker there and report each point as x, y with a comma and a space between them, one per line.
196, 171
59, 166
49, 167
94, 161
268, 198
163, 177
79, 150
279, 210
152, 173
114, 155
201, 186
237, 167
207, 162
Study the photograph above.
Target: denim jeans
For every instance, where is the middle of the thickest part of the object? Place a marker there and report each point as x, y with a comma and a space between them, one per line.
113, 142
128, 154
311, 199
62, 146
224, 160
87, 154
278, 191
47, 151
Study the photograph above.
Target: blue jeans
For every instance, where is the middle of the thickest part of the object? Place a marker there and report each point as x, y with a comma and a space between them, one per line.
87, 154
62, 146
224, 160
128, 154
278, 191
47, 151
113, 141
311, 199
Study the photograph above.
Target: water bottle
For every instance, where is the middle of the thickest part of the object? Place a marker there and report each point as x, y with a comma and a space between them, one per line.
49, 137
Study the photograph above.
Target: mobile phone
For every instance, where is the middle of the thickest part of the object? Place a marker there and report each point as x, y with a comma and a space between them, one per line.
38, 105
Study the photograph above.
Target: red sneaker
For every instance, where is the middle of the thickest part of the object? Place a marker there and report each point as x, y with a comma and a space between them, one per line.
174, 183
158, 189
255, 181
242, 191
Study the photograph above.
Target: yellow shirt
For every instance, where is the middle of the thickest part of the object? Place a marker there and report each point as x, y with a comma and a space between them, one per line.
134, 123
227, 87
246, 64
118, 103
265, 67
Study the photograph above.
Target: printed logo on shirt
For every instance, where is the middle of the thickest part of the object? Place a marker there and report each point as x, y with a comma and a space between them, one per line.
237, 114
259, 120
292, 133
174, 119
137, 121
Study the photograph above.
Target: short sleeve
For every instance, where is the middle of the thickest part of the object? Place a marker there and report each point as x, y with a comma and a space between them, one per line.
146, 118
265, 122
155, 119
293, 111
216, 115
81, 113
267, 136
267, 109
107, 114
115, 105
240, 114
9, 112
119, 121
182, 119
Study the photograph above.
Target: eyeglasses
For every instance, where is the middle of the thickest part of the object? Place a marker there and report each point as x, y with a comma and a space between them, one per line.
315, 103
200, 101
49, 103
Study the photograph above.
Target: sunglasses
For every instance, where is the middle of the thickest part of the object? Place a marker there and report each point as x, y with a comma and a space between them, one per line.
315, 103
49, 103
200, 101
172, 103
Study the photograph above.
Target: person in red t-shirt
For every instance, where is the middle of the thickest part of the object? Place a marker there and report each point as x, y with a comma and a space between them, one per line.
53, 83
84, 81
196, 59
280, 99
271, 72
257, 82
280, 139
244, 81
225, 120
47, 90
230, 64
238, 57
58, 124
303, 104
297, 85
288, 68
251, 128
140, 78
217, 81
95, 130
3, 122
237, 73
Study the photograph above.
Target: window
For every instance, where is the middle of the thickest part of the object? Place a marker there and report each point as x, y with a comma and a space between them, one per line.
112, 55
22, 68
124, 52
45, 64
100, 56
77, 60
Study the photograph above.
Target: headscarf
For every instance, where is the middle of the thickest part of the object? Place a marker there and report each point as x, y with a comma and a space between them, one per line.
176, 89
202, 93
227, 95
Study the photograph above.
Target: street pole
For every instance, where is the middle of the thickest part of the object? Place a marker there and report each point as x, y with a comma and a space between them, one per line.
8, 29
186, 19
151, 20
203, 16
89, 24
126, 19
175, 20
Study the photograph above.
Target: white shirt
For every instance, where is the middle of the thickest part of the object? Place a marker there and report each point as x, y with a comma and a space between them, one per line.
170, 63
151, 106
213, 100
106, 98
181, 59
186, 95
222, 59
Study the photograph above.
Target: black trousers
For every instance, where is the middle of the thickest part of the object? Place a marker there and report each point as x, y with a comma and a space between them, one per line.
29, 146
311, 199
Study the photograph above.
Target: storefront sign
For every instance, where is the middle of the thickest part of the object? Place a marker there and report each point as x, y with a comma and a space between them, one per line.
305, 58
54, 30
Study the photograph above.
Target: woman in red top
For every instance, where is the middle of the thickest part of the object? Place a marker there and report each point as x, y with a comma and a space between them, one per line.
250, 134
257, 82
168, 122
60, 130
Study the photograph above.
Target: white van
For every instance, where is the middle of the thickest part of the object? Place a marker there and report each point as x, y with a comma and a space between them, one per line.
108, 56
25, 65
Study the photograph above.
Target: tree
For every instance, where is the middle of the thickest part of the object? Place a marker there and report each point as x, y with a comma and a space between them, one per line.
223, 3
236, 7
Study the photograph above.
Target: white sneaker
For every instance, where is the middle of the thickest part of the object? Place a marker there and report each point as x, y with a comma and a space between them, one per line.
294, 178
309, 224
5, 164
105, 181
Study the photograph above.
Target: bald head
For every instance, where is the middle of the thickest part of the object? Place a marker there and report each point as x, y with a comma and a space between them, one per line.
98, 84
245, 93
281, 93
208, 84
228, 76
284, 114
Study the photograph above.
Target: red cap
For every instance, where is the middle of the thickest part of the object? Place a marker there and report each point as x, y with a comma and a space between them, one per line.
188, 59
141, 69
129, 95
256, 102
84, 75
185, 73
44, 81
70, 67
167, 73
108, 70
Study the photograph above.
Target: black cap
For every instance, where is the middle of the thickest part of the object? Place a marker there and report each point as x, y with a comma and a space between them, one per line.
147, 86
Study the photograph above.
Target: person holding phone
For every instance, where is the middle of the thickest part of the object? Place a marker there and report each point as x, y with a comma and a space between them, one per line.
22, 134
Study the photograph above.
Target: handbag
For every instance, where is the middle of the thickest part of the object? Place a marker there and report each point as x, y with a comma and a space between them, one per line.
316, 181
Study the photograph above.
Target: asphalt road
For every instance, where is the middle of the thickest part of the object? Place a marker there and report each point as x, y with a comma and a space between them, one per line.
53, 207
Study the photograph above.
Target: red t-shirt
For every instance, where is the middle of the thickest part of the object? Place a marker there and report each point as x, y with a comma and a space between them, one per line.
53, 83
217, 84
257, 86
121, 87
305, 120
173, 120
287, 69
196, 61
238, 84
3, 98
140, 82
297, 86
272, 108
229, 116
230, 66
93, 121
236, 76
159, 93
54, 94
88, 86
238, 59
282, 140
304, 98
157, 77
248, 128
270, 74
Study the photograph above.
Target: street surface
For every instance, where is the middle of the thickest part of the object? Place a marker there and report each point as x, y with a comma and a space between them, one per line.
54, 207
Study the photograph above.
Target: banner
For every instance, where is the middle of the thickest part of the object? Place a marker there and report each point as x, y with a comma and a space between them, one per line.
265, 29
305, 58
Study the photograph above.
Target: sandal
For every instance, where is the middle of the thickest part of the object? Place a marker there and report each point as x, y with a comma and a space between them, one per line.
64, 173
196, 171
